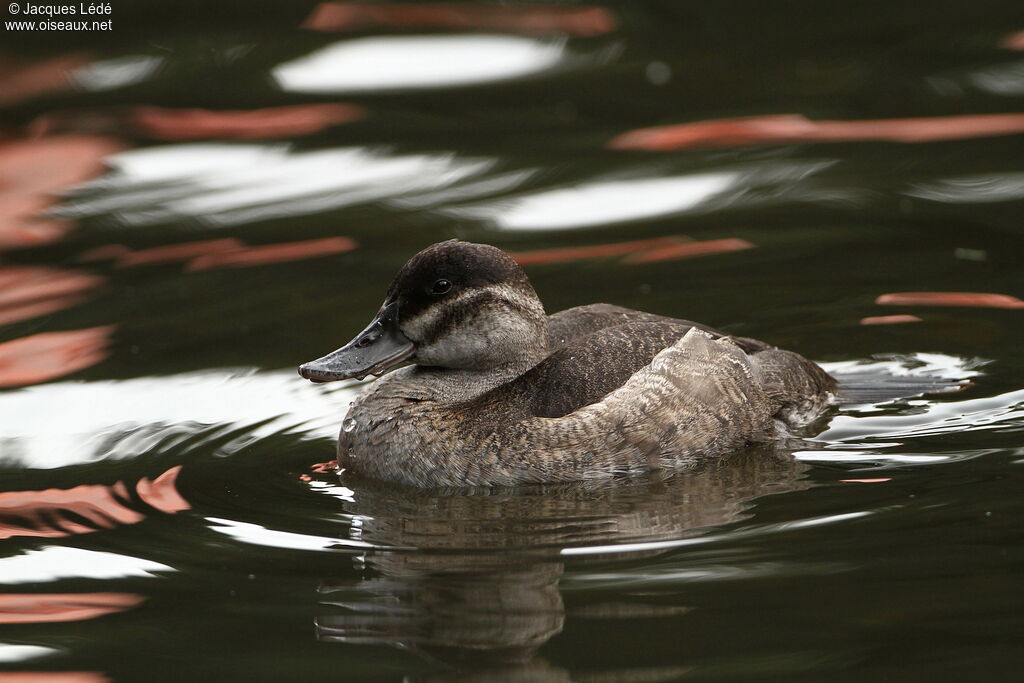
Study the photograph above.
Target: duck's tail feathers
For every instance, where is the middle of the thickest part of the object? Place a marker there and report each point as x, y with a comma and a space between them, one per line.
801, 388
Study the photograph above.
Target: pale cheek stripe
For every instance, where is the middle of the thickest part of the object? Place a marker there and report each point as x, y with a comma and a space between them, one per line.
429, 319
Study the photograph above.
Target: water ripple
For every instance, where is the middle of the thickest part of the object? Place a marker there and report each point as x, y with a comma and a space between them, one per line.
231, 184
66, 423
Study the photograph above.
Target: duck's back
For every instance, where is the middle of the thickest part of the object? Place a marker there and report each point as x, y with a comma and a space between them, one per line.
573, 324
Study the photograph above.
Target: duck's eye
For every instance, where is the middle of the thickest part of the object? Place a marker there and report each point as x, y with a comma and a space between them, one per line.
441, 286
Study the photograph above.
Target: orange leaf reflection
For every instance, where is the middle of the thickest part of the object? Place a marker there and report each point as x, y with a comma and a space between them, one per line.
54, 677
787, 128
273, 253
36, 608
1014, 41
42, 357
889, 319
200, 124
35, 169
162, 492
44, 514
28, 292
255, 124
567, 254
177, 252
690, 250
535, 19
106, 252
973, 299
22, 81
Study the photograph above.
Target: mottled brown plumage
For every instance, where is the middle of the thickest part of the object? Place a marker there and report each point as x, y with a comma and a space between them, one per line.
502, 394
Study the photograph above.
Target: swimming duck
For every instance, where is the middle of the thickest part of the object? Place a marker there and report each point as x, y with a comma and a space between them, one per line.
499, 393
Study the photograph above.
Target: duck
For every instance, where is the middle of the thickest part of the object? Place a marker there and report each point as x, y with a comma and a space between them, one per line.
492, 391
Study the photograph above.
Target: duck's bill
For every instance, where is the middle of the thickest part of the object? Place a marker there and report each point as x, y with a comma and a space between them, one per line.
374, 351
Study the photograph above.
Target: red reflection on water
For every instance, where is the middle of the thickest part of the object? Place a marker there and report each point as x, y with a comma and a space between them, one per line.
182, 251
535, 19
325, 467
31, 513
1014, 41
42, 357
866, 481
567, 254
199, 124
273, 253
785, 128
21, 81
889, 319
107, 252
228, 251
973, 299
637, 251
690, 250
54, 677
36, 608
162, 492
30, 291
254, 124
44, 514
32, 171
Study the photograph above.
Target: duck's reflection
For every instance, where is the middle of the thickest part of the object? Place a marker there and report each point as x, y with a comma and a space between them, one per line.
475, 581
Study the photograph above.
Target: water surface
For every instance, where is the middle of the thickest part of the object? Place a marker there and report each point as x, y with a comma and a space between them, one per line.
211, 195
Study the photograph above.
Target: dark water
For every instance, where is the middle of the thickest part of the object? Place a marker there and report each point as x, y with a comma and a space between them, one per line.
162, 507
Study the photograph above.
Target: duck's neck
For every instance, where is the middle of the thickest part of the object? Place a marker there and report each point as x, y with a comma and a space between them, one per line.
452, 385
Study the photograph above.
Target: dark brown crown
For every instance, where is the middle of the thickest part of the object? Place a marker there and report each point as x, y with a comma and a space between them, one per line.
464, 264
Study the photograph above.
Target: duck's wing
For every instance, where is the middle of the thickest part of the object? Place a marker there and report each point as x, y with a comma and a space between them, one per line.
574, 324
585, 370
694, 398
631, 397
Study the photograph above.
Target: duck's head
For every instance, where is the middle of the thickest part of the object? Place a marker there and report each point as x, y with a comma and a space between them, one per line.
453, 305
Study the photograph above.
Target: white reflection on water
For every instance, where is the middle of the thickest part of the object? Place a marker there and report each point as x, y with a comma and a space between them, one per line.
879, 414
174, 162
54, 563
933, 418
226, 184
119, 72
409, 62
972, 189
259, 535
867, 457
10, 652
1000, 79
492, 185
66, 423
607, 201
870, 384
921, 365
604, 202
